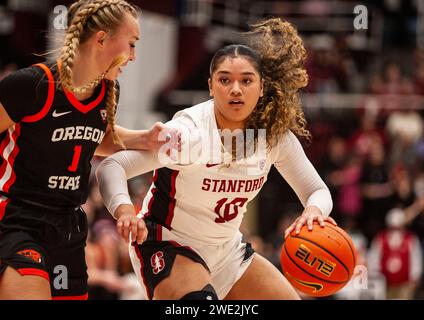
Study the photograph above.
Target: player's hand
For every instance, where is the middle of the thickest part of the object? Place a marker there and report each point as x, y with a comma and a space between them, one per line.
128, 223
308, 216
160, 134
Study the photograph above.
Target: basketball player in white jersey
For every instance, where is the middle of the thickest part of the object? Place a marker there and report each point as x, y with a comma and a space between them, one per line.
186, 242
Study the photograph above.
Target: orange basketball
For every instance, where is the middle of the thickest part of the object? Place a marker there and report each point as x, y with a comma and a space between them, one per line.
319, 262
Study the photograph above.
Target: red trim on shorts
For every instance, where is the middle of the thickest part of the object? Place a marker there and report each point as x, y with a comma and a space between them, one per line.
137, 250
12, 158
172, 202
50, 96
85, 108
82, 297
34, 272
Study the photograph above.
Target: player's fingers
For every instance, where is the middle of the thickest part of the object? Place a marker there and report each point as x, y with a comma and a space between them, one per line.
134, 229
288, 231
141, 232
145, 233
126, 230
299, 224
321, 221
310, 223
119, 227
159, 126
331, 220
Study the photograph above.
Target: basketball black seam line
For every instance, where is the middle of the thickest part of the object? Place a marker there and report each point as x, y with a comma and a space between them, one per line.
307, 272
319, 246
348, 242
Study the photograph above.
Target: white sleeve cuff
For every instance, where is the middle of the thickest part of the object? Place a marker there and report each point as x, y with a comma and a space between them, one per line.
321, 199
116, 201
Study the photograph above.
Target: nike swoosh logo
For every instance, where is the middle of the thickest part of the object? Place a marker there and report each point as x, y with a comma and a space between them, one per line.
57, 114
316, 286
209, 165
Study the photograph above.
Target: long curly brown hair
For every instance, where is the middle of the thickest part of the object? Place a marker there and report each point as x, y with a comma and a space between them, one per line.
283, 57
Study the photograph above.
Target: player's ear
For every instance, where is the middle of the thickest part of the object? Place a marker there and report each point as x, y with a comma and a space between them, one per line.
100, 37
210, 87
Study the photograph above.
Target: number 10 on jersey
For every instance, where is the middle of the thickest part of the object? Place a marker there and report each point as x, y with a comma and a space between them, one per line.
227, 211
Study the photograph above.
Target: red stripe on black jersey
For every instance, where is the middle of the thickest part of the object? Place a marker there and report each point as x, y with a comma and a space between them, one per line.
162, 204
8, 154
12, 158
77, 104
5, 142
86, 108
50, 96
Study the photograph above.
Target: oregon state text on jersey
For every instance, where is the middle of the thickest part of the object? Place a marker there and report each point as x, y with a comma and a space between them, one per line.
45, 157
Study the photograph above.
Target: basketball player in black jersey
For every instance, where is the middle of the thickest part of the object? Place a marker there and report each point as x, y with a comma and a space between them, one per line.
53, 119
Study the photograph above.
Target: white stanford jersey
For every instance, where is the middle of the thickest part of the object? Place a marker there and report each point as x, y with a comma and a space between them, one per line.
205, 200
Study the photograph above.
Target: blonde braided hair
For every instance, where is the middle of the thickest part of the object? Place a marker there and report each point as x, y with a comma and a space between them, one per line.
87, 17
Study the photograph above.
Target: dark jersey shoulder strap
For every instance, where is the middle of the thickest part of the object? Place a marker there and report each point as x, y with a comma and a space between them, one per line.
50, 96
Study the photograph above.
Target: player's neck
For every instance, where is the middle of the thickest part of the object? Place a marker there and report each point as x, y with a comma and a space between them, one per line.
85, 70
223, 123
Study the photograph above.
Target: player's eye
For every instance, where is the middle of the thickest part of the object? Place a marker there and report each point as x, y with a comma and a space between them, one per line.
224, 80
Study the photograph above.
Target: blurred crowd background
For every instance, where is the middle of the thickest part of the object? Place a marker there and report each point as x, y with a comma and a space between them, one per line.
364, 106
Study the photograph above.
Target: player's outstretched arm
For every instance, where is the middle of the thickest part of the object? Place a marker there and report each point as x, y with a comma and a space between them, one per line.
112, 175
113, 172
152, 139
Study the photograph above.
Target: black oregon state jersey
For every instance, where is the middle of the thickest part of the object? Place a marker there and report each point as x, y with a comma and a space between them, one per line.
45, 157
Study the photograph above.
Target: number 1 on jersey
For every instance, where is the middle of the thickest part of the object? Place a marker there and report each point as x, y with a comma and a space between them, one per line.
75, 160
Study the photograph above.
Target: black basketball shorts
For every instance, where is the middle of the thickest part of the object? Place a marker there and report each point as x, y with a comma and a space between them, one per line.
48, 244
